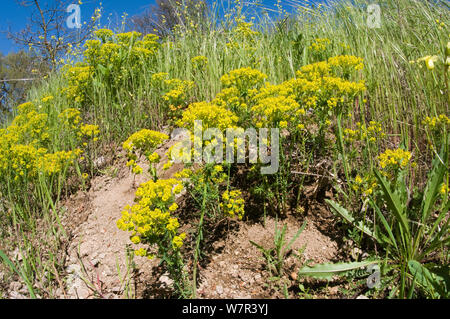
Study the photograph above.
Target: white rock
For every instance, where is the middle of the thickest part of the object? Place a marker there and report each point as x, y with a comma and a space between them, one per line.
82, 292
100, 162
15, 286
166, 280
219, 289
16, 295
74, 269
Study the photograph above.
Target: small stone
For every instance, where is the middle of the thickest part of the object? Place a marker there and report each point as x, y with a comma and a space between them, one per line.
82, 292
23, 290
101, 256
294, 275
59, 293
74, 269
333, 290
15, 286
356, 252
362, 297
84, 249
219, 289
16, 295
115, 289
95, 262
17, 255
166, 280
99, 162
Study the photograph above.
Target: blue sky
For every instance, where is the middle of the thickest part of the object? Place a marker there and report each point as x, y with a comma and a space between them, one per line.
15, 16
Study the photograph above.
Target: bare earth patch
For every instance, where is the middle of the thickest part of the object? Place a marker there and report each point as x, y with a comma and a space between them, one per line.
98, 265
239, 271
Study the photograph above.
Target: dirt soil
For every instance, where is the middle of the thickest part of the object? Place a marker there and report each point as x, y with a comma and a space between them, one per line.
98, 265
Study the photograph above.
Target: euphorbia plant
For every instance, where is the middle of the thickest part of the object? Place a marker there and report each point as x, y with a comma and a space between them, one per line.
413, 231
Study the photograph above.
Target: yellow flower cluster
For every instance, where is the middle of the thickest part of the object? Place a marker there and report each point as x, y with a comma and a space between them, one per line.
110, 49
372, 133
444, 189
47, 99
232, 204
330, 67
71, 119
243, 79
159, 77
244, 29
248, 99
29, 126
210, 174
177, 90
347, 62
199, 62
211, 115
174, 92
90, 130
393, 160
57, 162
143, 142
243, 36
230, 98
150, 220
113, 56
78, 79
319, 44
24, 146
436, 122
277, 111
364, 185
185, 173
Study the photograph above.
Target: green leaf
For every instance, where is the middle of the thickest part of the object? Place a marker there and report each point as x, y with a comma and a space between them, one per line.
385, 224
103, 70
393, 202
434, 181
329, 270
431, 282
295, 237
21, 275
348, 217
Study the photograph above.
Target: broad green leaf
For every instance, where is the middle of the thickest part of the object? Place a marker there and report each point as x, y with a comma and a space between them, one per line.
385, 224
394, 203
329, 270
348, 217
431, 282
